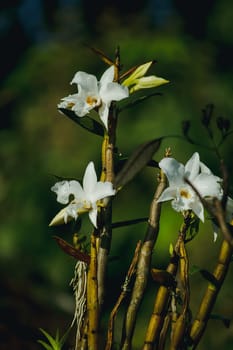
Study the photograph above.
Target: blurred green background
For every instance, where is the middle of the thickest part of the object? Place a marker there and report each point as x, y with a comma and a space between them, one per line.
43, 44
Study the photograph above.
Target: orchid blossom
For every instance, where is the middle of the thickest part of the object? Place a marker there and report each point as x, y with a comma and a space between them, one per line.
181, 193
84, 198
93, 94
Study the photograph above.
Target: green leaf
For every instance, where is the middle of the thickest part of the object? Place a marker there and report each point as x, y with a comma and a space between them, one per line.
121, 162
128, 222
55, 345
45, 345
85, 122
138, 100
137, 161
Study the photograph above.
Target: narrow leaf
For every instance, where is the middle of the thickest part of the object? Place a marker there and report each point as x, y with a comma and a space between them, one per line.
85, 122
70, 250
128, 222
138, 100
52, 341
45, 345
137, 161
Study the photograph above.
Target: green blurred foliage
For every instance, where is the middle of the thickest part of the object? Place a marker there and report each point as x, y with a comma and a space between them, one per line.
41, 143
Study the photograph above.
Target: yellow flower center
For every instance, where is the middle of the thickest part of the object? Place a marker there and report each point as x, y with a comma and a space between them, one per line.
93, 101
184, 193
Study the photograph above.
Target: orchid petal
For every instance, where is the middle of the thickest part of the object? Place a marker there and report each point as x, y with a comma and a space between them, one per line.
93, 216
102, 190
198, 209
113, 92
77, 190
168, 193
207, 185
103, 113
89, 180
205, 169
173, 170
107, 76
62, 190
192, 167
86, 82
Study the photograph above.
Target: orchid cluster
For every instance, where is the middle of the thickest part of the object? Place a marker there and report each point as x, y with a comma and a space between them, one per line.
204, 185
190, 188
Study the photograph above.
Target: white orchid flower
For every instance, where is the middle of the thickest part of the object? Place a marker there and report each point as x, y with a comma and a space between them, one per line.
181, 193
84, 198
94, 94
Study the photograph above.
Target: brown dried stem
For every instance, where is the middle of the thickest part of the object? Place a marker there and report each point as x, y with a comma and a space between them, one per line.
163, 297
143, 266
200, 323
123, 294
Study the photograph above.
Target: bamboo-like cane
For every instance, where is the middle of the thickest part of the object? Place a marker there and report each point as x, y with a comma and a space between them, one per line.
200, 323
92, 298
108, 148
180, 324
122, 296
162, 299
143, 267
224, 258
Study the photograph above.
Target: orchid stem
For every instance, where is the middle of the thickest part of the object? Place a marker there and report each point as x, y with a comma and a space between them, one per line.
92, 298
200, 323
143, 266
163, 296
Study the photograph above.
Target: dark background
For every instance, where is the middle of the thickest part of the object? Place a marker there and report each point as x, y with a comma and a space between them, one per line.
43, 43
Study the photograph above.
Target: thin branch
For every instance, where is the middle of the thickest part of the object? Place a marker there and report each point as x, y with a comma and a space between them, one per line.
125, 290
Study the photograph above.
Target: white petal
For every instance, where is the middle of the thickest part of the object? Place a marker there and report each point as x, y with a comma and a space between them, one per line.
102, 190
68, 101
89, 180
62, 190
81, 108
205, 169
93, 216
198, 209
168, 194
103, 113
113, 92
86, 82
173, 170
192, 167
77, 190
208, 185
71, 211
108, 76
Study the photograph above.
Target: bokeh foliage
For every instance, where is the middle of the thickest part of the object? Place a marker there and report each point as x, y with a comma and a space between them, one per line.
38, 143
